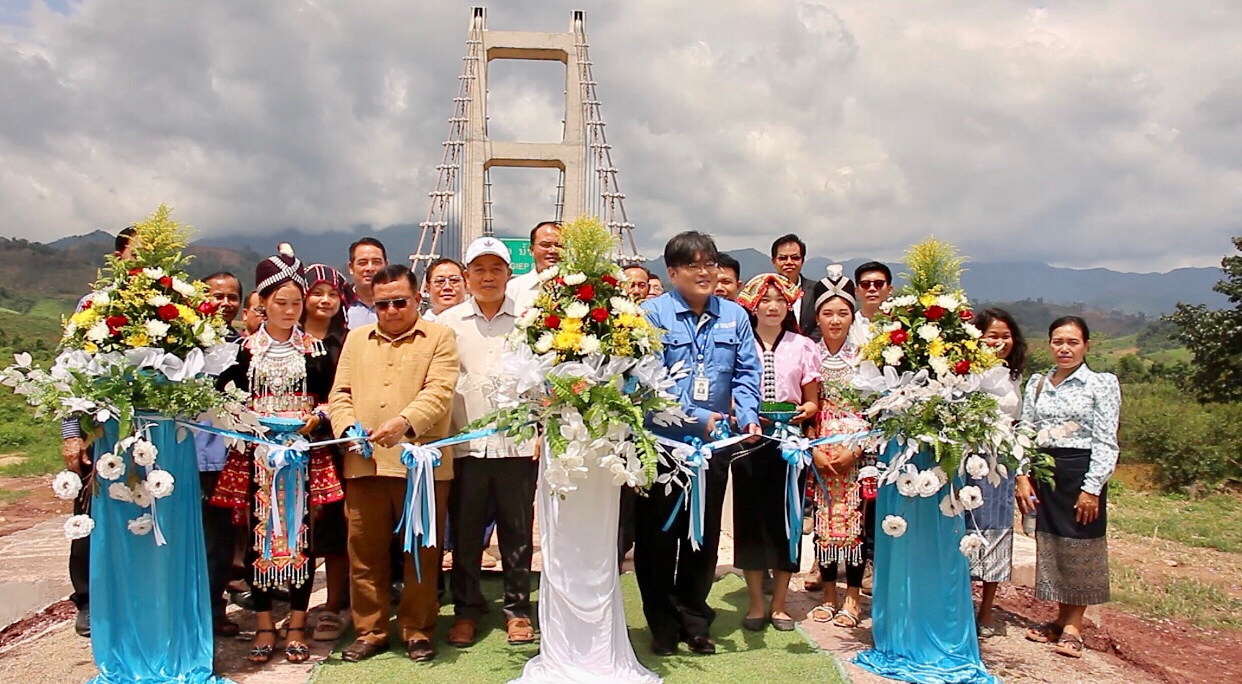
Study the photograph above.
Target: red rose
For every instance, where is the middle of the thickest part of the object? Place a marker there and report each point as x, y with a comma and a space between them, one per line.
961, 367
87, 304
560, 281
207, 308
166, 281
967, 315
599, 314
552, 321
609, 279
586, 292
135, 271
115, 323
898, 337
168, 312
934, 313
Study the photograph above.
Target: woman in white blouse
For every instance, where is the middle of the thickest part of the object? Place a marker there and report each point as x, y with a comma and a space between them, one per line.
1080, 410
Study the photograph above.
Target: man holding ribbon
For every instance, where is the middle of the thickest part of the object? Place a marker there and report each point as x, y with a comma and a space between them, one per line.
712, 339
394, 382
493, 467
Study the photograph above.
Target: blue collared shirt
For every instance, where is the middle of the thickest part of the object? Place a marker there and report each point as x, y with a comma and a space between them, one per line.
724, 337
359, 314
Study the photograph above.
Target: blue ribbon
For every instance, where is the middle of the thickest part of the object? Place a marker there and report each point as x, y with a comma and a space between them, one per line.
363, 443
288, 493
697, 457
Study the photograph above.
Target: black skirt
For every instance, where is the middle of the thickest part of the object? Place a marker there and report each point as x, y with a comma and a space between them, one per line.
1055, 513
1071, 559
760, 541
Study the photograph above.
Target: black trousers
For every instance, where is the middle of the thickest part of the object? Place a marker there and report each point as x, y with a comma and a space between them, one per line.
80, 550
219, 536
674, 579
510, 483
625, 526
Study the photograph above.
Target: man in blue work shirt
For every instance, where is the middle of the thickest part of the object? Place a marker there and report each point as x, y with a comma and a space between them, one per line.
713, 339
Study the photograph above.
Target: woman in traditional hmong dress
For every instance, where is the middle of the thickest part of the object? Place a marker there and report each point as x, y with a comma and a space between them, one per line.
1079, 409
840, 514
761, 525
994, 519
289, 374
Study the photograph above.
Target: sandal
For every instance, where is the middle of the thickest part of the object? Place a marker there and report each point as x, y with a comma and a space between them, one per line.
1046, 633
329, 627
824, 612
1070, 645
846, 619
295, 650
261, 654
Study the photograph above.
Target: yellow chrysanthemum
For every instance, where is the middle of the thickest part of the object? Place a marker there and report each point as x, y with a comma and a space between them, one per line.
630, 321
927, 299
85, 318
936, 347
90, 348
571, 325
187, 314
567, 340
972, 345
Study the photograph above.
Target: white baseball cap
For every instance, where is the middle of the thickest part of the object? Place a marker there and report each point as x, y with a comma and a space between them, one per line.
488, 245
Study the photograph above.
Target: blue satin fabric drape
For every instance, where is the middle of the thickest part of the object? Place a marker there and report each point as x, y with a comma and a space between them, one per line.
150, 615
922, 613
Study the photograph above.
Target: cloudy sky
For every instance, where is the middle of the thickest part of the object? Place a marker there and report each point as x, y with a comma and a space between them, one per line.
1084, 134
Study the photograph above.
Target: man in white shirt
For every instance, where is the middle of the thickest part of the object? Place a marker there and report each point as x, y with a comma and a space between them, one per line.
493, 467
873, 281
366, 258
545, 247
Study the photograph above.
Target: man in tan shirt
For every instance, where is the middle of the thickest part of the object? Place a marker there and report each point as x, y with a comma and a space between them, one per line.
493, 468
396, 377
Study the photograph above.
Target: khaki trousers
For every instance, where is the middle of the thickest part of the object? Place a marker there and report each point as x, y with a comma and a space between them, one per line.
373, 506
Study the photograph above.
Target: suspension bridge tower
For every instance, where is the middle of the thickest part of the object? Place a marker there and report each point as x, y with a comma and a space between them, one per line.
461, 205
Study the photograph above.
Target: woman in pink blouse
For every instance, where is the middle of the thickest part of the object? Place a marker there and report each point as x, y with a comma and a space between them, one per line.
790, 376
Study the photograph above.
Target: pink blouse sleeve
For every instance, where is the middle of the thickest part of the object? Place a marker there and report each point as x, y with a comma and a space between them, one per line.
811, 362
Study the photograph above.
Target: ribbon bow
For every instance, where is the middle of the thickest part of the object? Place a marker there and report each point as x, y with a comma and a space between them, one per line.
361, 439
418, 520
289, 465
697, 457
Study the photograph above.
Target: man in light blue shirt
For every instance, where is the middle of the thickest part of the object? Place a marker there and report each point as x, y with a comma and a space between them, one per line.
713, 339
367, 257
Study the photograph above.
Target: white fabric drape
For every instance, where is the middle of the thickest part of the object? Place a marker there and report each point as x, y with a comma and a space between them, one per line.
583, 636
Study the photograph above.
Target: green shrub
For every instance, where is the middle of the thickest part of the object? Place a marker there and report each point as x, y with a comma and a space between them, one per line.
1192, 445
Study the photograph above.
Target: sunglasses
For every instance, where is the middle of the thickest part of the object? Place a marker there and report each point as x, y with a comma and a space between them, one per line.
872, 284
398, 304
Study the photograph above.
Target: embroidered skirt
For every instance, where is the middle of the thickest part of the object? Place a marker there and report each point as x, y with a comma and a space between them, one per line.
994, 521
1071, 563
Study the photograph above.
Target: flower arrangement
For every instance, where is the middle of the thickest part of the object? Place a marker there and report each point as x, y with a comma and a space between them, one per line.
931, 383
146, 338
581, 364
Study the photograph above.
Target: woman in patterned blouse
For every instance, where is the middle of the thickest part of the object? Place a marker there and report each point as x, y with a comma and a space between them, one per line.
1079, 408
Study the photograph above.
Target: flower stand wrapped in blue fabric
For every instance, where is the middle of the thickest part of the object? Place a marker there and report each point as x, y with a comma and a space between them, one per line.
150, 614
922, 613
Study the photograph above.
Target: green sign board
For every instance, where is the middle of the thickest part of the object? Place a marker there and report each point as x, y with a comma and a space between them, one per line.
519, 249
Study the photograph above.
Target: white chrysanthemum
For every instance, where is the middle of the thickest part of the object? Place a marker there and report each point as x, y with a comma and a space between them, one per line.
894, 525
575, 279
971, 544
886, 306
159, 300
939, 365
98, 332
145, 453
530, 317
905, 301
928, 331
972, 330
623, 305
119, 491
142, 495
893, 355
544, 344
950, 507
549, 273
208, 337
110, 466
100, 298
78, 526
577, 310
971, 497
589, 345
183, 288
977, 466
926, 483
948, 301
141, 525
906, 484
160, 483
153, 273
157, 329
66, 485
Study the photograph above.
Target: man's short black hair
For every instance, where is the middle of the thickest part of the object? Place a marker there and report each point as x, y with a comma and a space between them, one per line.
644, 269
367, 241
123, 238
787, 239
224, 274
442, 261
541, 224
726, 261
393, 273
685, 247
873, 266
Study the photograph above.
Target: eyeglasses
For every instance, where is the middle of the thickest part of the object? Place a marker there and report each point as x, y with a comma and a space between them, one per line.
701, 266
872, 284
398, 304
446, 280
789, 257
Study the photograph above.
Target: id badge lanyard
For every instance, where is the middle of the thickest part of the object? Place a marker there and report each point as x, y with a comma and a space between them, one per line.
701, 387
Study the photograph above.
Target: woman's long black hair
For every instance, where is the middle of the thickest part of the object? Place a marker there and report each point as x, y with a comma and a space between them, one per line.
1018, 355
